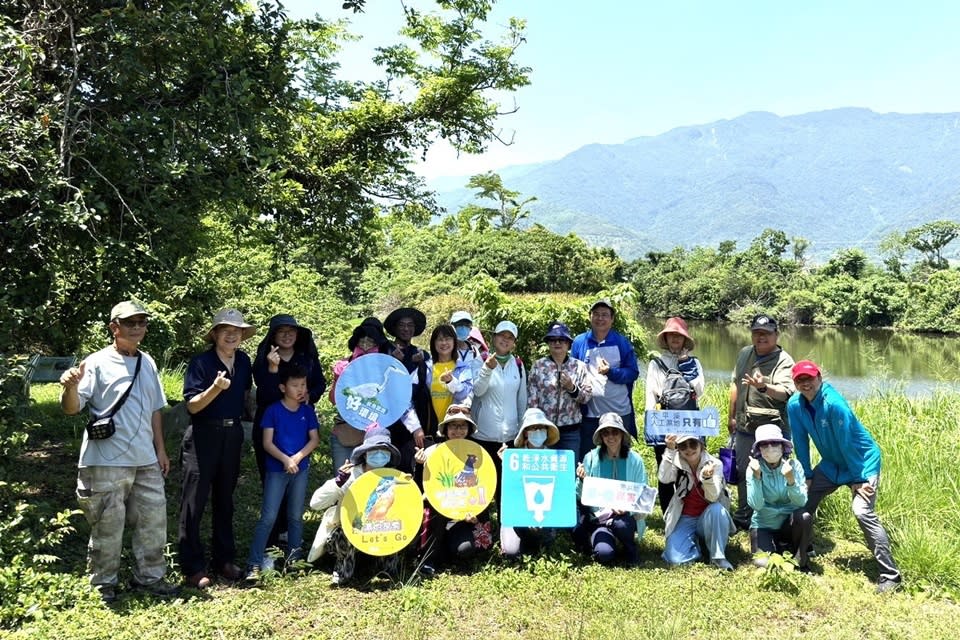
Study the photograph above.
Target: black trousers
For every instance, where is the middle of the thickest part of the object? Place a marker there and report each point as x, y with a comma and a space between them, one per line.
210, 456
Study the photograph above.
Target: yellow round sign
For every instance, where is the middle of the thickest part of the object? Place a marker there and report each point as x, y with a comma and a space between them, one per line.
381, 512
459, 479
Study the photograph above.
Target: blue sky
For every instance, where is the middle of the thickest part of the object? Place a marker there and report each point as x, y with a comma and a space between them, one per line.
610, 70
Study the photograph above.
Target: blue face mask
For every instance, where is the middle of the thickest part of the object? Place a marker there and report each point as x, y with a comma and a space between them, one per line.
463, 332
378, 458
537, 438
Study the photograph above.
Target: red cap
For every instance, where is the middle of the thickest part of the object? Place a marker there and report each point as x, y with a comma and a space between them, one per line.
804, 368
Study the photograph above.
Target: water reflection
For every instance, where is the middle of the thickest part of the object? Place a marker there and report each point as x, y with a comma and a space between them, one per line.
856, 361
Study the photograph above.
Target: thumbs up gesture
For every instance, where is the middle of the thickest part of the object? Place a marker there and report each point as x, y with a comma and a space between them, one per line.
72, 376
222, 382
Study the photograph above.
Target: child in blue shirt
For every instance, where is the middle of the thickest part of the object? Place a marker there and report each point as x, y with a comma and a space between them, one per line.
290, 434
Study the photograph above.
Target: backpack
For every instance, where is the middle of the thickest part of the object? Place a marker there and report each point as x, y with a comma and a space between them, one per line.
677, 393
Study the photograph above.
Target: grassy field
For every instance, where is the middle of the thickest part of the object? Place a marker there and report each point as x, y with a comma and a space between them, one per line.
561, 594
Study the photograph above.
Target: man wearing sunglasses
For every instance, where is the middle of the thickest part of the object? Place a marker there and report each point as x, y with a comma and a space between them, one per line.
121, 477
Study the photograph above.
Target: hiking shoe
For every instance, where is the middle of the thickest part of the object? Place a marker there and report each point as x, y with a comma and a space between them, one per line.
160, 588
253, 575
108, 593
887, 586
198, 580
427, 571
722, 563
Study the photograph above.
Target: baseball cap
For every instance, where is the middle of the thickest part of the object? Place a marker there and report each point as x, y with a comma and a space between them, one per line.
126, 309
506, 325
763, 322
804, 368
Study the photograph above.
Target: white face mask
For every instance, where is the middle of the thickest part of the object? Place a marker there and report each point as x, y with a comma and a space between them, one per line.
771, 453
537, 437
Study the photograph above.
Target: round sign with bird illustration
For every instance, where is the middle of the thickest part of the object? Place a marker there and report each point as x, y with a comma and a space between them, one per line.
381, 512
373, 388
459, 479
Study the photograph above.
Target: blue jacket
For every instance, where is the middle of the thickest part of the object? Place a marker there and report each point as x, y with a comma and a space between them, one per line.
771, 499
618, 351
848, 452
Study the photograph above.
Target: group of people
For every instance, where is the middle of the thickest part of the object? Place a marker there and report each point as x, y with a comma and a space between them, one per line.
577, 398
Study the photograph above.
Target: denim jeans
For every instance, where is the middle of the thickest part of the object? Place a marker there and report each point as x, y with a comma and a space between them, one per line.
276, 485
712, 526
569, 441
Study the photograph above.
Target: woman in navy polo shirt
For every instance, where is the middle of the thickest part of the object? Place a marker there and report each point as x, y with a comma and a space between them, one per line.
215, 388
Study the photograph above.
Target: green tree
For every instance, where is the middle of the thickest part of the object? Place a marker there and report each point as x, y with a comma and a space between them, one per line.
509, 210
931, 238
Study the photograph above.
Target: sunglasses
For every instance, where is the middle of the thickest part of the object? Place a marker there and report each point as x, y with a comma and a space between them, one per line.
463, 411
688, 444
133, 324
555, 340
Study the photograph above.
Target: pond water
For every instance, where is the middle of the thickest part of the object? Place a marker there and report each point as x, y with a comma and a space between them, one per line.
856, 361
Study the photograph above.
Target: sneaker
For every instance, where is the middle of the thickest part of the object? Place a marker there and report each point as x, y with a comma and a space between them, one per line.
253, 575
108, 593
722, 563
427, 571
887, 586
160, 588
336, 580
198, 580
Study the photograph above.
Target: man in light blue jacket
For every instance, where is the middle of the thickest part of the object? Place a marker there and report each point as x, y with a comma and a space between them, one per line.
849, 456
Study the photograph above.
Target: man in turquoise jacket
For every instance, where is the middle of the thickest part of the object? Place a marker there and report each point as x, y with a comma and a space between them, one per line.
849, 456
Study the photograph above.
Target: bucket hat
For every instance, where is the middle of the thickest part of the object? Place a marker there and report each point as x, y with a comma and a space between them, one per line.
535, 418
231, 318
611, 421
676, 325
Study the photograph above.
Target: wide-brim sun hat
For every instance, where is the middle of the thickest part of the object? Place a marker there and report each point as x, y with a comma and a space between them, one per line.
376, 437
231, 318
679, 326
457, 412
770, 433
611, 421
419, 320
370, 328
535, 418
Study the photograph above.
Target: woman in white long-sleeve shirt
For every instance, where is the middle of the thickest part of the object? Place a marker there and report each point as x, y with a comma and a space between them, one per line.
499, 395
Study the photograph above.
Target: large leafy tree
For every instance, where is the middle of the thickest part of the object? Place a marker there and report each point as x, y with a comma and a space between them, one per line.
123, 124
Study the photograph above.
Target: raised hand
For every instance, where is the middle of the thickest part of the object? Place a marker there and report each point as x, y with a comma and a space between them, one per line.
754, 466
221, 382
72, 376
273, 359
787, 470
671, 441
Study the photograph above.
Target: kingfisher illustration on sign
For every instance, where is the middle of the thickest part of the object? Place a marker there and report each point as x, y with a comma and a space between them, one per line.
539, 488
459, 479
705, 422
373, 388
618, 494
382, 511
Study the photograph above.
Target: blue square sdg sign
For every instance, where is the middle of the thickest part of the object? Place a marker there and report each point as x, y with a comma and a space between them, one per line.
538, 488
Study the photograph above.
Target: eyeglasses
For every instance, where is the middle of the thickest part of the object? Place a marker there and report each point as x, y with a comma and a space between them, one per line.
127, 323
457, 424
689, 444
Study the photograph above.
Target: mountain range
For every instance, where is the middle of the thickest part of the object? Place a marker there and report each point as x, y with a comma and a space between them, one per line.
839, 178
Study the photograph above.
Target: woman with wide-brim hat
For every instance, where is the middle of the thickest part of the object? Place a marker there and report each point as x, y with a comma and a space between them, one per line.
600, 531
374, 452
537, 432
367, 338
215, 389
287, 344
777, 493
675, 344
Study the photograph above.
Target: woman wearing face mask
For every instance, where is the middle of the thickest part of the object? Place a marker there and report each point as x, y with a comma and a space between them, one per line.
699, 509
467, 351
536, 432
376, 452
367, 338
560, 385
449, 540
777, 493
450, 379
